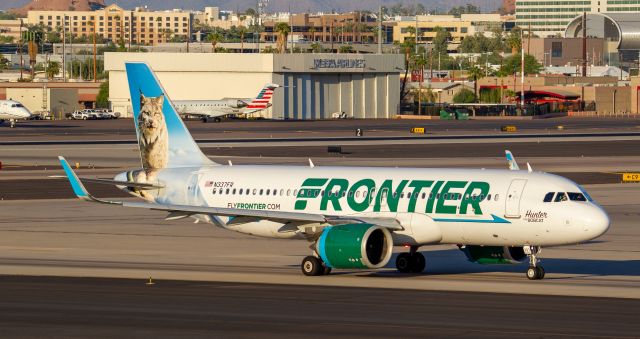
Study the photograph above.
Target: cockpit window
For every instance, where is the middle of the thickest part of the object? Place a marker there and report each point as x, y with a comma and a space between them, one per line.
576, 196
549, 197
561, 196
584, 192
18, 105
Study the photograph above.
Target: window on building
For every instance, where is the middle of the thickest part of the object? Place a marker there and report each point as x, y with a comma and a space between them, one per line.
556, 49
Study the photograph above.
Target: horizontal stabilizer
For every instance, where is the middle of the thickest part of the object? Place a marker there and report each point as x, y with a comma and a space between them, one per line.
121, 183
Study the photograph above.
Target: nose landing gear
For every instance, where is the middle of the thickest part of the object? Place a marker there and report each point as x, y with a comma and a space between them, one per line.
535, 271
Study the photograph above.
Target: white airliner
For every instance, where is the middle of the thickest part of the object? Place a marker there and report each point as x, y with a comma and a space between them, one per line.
12, 111
353, 216
216, 109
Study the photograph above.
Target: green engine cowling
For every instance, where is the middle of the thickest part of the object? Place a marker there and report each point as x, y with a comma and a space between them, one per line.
355, 246
494, 255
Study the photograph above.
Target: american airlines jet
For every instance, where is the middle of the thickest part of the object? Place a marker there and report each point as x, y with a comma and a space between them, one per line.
352, 216
12, 111
216, 109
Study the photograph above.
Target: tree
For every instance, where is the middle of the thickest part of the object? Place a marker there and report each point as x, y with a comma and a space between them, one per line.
513, 40
474, 73
243, 31
214, 39
316, 47
4, 63
464, 96
102, 99
283, 30
441, 41
468, 9
511, 65
418, 65
53, 68
312, 33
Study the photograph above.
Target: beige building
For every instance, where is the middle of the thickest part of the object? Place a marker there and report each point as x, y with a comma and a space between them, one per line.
116, 24
316, 85
567, 51
459, 28
56, 97
11, 28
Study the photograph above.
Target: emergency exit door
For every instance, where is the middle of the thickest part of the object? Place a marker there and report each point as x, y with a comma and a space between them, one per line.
514, 194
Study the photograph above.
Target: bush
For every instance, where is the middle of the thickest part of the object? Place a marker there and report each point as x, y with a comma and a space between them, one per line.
465, 96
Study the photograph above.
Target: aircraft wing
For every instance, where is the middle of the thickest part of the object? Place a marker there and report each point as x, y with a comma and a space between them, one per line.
179, 211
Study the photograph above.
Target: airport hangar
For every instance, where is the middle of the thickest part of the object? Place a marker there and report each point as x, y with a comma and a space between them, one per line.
316, 85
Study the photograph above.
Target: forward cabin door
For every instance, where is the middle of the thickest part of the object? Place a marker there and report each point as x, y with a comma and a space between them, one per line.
512, 204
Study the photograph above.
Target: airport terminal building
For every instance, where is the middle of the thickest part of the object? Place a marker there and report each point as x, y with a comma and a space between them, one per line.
316, 85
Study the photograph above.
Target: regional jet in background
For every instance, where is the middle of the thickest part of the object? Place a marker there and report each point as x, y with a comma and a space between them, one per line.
353, 216
216, 109
12, 111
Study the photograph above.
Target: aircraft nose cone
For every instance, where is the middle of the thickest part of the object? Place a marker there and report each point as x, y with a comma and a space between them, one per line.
597, 222
121, 176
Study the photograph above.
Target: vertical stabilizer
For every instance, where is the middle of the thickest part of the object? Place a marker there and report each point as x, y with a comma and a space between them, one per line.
163, 138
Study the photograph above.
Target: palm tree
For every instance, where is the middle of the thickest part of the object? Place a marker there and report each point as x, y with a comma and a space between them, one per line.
312, 33
242, 30
283, 30
418, 64
53, 68
214, 38
513, 40
475, 73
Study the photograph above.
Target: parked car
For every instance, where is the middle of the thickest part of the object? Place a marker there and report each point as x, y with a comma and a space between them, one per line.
80, 115
40, 115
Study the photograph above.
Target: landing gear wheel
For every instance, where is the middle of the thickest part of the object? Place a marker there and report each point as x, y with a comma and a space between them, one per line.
418, 262
312, 266
532, 273
540, 272
204, 119
403, 262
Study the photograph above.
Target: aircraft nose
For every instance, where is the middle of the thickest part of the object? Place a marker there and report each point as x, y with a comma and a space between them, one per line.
121, 177
596, 222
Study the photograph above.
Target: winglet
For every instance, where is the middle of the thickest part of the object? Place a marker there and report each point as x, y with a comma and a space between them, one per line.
78, 188
76, 184
513, 165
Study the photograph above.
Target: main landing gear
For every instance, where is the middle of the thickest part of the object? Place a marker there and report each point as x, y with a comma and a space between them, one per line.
313, 266
411, 262
535, 271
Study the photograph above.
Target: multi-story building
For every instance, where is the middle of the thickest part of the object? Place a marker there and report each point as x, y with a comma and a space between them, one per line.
459, 28
116, 24
346, 27
550, 17
11, 28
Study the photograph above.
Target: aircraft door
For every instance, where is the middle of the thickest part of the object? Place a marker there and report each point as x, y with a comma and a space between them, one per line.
514, 194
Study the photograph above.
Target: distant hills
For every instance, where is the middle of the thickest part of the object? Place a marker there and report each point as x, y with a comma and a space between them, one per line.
297, 6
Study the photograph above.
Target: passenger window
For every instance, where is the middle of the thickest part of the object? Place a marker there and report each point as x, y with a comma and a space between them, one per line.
288, 192
496, 197
214, 191
489, 197
227, 192
577, 197
402, 195
548, 197
281, 191
424, 195
240, 192
275, 191
247, 191
267, 193
261, 191
234, 191
295, 193
255, 191
561, 197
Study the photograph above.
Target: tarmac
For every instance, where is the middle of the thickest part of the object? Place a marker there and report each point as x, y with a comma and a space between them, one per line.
74, 269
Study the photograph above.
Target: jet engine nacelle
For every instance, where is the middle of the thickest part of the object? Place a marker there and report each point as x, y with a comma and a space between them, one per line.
494, 255
236, 103
355, 246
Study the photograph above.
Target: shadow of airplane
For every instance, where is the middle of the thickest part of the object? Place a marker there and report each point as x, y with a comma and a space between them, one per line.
454, 261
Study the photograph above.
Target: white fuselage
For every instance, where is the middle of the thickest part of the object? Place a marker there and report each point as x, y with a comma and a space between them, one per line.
434, 206
211, 108
13, 110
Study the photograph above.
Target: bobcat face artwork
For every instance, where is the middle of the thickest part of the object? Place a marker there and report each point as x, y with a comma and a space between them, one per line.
154, 138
